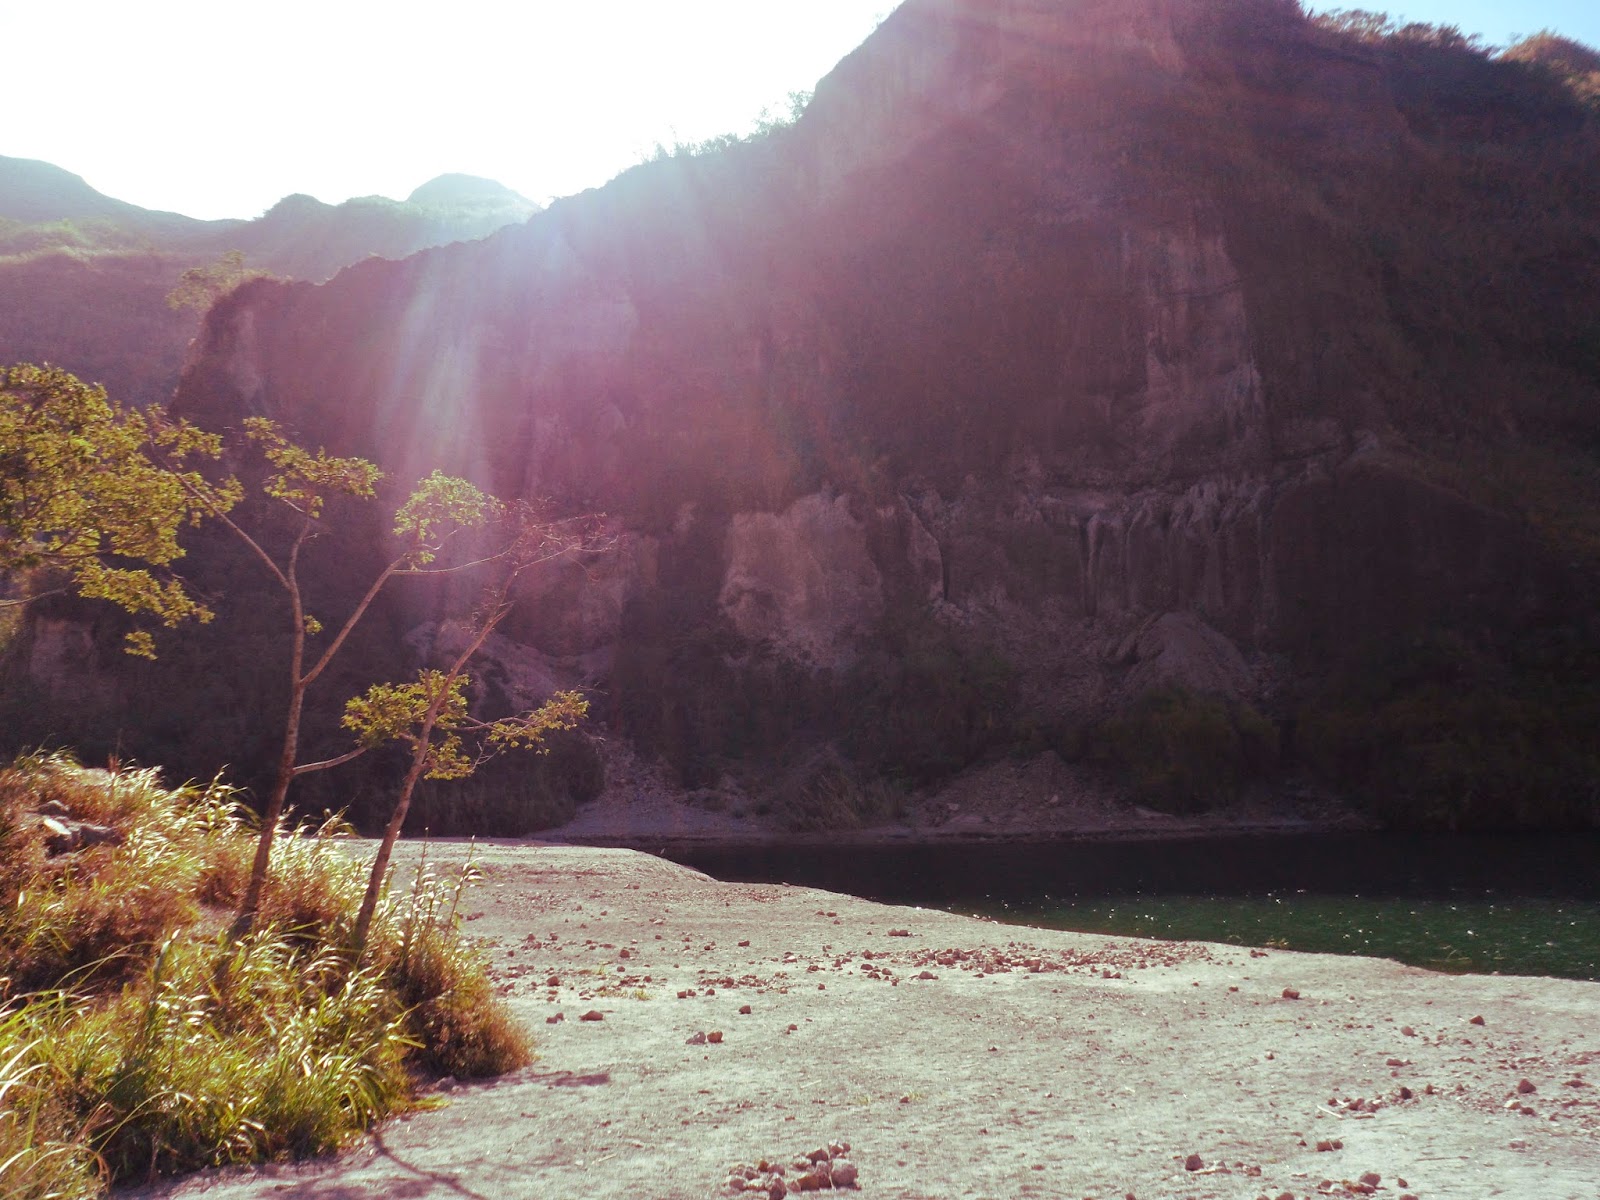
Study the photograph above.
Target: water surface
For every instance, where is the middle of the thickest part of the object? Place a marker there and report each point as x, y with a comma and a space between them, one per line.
1524, 904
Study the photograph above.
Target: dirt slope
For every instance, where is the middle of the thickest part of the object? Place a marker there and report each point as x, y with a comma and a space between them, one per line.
965, 1058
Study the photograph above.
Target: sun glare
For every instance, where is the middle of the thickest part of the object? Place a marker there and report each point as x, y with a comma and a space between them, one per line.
214, 111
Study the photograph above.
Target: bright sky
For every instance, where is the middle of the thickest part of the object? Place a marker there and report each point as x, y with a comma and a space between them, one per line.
1499, 21
218, 109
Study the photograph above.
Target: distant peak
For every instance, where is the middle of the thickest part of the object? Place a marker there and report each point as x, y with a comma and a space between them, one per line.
456, 190
297, 203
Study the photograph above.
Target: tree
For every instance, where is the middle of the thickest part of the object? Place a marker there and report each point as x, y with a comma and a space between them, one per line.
201, 287
1377, 27
439, 510
92, 497
432, 715
96, 495
1360, 23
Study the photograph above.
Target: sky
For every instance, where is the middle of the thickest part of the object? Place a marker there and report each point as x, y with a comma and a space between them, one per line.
218, 109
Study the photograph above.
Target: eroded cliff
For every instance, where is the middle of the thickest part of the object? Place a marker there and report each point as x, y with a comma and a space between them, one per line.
1062, 353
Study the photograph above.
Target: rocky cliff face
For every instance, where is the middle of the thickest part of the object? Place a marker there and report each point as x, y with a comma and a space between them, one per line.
1079, 329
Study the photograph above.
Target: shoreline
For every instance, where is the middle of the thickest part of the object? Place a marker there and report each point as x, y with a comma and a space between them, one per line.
1179, 831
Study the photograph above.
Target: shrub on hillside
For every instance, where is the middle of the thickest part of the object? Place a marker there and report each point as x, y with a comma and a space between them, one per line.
513, 797
1576, 65
921, 705
1185, 752
926, 704
824, 792
1437, 733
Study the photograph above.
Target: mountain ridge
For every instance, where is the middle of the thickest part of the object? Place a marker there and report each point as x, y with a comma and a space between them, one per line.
34, 191
84, 276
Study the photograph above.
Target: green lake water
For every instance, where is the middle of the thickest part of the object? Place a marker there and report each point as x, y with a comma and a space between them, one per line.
1515, 904
1509, 937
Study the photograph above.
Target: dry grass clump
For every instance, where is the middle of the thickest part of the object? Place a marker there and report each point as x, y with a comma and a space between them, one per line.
137, 1040
94, 916
459, 1026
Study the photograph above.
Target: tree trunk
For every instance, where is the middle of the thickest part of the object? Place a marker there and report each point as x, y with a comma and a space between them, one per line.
391, 834
250, 906
494, 614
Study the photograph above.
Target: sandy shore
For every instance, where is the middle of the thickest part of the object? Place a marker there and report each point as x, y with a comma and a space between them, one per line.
962, 1058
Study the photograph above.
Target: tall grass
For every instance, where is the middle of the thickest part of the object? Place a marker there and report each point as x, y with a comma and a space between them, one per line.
136, 1040
458, 1025
297, 1055
40, 1158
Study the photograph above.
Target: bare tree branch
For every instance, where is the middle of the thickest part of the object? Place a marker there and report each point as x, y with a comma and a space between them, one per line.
327, 763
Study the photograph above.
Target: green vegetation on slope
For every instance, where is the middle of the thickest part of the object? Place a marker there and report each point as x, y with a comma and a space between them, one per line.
1444, 732
830, 749
136, 1041
1186, 753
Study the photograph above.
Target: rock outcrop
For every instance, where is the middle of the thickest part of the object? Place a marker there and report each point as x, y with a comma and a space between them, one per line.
802, 581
